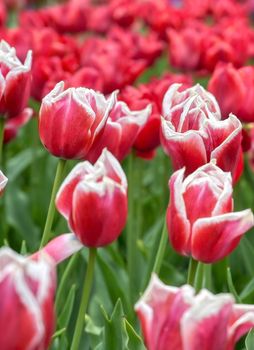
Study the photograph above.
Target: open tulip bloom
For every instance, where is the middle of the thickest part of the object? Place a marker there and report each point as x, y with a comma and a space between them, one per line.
176, 319
200, 220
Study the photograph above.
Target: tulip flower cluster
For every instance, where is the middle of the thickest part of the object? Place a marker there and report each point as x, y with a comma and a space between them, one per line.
126, 95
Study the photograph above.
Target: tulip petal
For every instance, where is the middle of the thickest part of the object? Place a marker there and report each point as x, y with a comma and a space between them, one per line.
61, 247
185, 149
177, 222
215, 237
204, 325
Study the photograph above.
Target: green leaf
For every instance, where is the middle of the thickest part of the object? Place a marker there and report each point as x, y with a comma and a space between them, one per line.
18, 216
249, 341
134, 340
231, 286
114, 335
247, 254
16, 165
249, 288
64, 318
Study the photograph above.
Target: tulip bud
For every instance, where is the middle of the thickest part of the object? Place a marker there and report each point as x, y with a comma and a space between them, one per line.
120, 132
101, 187
192, 133
70, 120
199, 216
176, 319
15, 81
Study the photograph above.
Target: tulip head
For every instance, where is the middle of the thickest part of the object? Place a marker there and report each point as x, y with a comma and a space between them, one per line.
92, 189
199, 216
70, 120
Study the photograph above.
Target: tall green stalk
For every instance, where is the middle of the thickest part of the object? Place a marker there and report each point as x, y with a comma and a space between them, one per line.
2, 124
84, 301
161, 251
51, 209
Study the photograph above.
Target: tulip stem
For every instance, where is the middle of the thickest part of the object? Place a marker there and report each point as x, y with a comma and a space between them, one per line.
131, 240
161, 250
84, 301
51, 210
193, 264
2, 124
199, 277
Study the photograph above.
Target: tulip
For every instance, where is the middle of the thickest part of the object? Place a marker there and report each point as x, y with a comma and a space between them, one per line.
90, 189
176, 319
200, 220
15, 81
70, 120
192, 133
234, 90
27, 286
120, 132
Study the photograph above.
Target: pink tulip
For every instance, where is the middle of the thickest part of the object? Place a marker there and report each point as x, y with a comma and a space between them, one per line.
200, 220
27, 287
192, 133
15, 81
12, 126
93, 198
70, 120
120, 132
176, 319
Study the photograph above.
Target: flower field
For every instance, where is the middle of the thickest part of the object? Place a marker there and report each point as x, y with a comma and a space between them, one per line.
127, 175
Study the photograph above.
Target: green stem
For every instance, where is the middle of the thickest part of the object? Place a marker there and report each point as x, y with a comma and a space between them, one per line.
51, 209
193, 264
2, 124
199, 277
161, 250
84, 301
131, 232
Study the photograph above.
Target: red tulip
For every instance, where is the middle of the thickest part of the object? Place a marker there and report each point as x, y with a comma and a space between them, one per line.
102, 187
27, 286
15, 81
70, 120
176, 319
193, 134
120, 132
234, 90
200, 220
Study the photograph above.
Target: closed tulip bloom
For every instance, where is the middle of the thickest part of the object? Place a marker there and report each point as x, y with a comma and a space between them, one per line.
234, 90
176, 319
70, 120
192, 133
15, 81
27, 287
102, 187
120, 132
200, 220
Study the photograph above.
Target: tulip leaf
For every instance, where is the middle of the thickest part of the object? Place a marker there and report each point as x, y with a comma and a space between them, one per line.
249, 341
118, 334
64, 317
231, 286
247, 254
248, 289
18, 216
114, 281
17, 164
